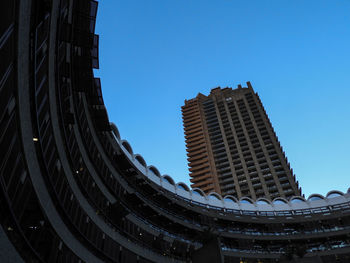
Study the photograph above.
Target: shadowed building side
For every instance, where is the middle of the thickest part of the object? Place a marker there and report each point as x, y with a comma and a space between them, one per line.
200, 155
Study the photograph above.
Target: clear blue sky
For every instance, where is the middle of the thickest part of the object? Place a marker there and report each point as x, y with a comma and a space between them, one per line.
155, 54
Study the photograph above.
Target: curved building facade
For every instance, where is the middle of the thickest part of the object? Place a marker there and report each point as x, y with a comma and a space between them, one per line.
72, 190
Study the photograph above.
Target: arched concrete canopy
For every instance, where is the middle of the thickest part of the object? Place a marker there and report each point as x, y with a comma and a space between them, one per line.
246, 200
168, 179
297, 199
215, 195
115, 131
279, 200
140, 159
334, 193
263, 201
127, 146
154, 170
244, 203
315, 197
198, 191
230, 198
183, 186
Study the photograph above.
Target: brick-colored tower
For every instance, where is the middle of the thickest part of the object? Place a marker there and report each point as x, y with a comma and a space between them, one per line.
232, 147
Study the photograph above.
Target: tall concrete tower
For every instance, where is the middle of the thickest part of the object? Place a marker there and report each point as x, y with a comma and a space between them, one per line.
232, 147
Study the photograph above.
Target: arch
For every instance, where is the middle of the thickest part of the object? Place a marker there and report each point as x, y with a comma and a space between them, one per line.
230, 198
334, 193
197, 191
168, 179
154, 170
140, 159
215, 195
182, 186
127, 146
279, 201
315, 197
246, 200
297, 199
263, 201
115, 131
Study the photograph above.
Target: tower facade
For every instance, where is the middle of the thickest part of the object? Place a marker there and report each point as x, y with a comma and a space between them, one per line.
232, 147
